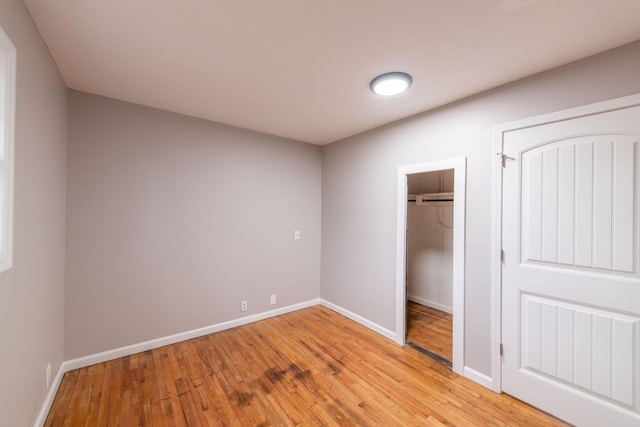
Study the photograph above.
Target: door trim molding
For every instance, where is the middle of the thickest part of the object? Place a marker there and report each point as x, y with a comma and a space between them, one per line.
499, 132
459, 165
7, 173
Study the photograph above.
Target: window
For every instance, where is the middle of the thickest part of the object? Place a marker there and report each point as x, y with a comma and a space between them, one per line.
7, 123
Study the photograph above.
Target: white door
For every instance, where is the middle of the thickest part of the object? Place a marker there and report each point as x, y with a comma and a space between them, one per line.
571, 269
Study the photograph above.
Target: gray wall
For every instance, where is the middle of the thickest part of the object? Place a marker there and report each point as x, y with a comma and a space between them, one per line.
430, 182
32, 292
172, 221
359, 186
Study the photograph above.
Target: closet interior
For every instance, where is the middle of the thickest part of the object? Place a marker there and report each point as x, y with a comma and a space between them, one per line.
430, 263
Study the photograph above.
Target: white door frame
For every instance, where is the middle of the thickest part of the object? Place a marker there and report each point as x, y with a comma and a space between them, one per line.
496, 268
459, 165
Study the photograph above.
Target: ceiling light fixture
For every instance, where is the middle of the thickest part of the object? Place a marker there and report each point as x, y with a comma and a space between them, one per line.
391, 83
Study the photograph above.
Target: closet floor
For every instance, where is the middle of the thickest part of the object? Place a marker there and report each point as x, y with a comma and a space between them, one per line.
430, 329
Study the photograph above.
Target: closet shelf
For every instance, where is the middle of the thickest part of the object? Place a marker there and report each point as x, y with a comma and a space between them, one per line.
430, 197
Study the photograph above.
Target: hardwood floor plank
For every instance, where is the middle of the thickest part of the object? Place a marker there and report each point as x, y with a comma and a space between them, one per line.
430, 329
312, 367
71, 415
60, 405
95, 379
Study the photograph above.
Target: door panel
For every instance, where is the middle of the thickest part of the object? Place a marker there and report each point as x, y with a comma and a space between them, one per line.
580, 347
571, 277
578, 195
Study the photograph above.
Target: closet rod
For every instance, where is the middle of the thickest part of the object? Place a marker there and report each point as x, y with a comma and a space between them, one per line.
434, 200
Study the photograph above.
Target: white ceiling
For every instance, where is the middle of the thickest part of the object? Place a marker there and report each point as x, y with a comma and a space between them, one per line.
301, 68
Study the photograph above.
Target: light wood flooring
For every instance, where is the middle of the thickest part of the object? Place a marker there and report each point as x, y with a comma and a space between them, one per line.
430, 329
311, 367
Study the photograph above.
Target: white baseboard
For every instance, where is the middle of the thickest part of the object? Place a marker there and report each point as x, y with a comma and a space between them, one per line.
51, 394
430, 304
359, 319
81, 362
478, 377
105, 356
116, 353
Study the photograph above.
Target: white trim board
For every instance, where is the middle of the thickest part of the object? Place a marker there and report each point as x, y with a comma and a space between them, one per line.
431, 304
51, 394
496, 264
459, 211
361, 320
104, 356
8, 51
478, 377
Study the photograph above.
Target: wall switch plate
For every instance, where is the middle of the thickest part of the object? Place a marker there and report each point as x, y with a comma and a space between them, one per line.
273, 299
243, 306
296, 235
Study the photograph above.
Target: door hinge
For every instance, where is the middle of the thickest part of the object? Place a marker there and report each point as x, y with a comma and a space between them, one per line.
502, 256
501, 349
504, 159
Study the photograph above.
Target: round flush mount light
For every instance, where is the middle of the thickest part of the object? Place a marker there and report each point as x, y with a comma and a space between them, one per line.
391, 83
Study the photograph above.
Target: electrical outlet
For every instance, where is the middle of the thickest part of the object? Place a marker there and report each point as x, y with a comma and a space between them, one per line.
48, 375
273, 299
296, 235
243, 306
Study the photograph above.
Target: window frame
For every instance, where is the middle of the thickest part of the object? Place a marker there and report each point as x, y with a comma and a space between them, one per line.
8, 51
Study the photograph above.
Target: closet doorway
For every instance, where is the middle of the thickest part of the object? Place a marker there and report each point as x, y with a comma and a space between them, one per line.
430, 263
430, 259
